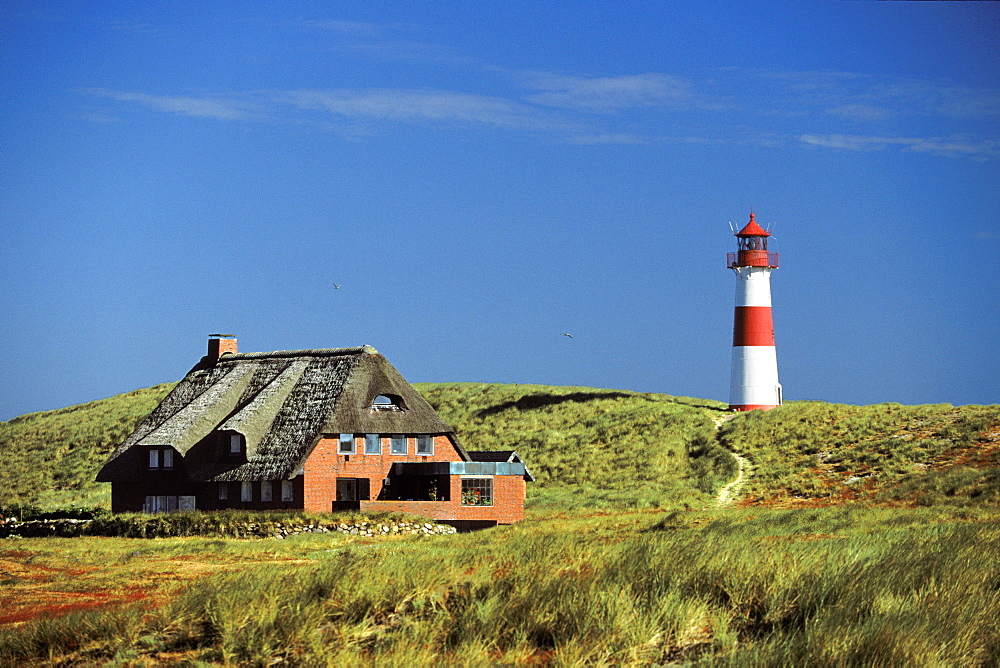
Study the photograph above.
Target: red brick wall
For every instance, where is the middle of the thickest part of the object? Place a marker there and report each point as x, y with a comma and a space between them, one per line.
507, 508
508, 500
316, 490
325, 465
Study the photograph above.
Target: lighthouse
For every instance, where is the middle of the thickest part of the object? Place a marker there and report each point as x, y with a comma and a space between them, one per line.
754, 381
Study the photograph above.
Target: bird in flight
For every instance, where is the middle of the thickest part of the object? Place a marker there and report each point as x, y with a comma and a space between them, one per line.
569, 335
336, 287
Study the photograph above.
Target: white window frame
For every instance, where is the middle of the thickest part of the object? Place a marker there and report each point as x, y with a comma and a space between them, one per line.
287, 490
266, 490
154, 458
489, 486
373, 444
347, 444
391, 402
168, 458
223, 491
235, 444
396, 438
428, 448
246, 491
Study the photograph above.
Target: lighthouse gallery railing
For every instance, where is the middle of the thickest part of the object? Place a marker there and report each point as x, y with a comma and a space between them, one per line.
751, 258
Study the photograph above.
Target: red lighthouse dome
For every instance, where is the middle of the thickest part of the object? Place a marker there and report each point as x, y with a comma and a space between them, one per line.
752, 248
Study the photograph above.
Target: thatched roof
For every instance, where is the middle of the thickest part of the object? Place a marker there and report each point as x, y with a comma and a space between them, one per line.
282, 403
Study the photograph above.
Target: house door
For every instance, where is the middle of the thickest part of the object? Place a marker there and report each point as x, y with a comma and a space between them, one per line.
347, 489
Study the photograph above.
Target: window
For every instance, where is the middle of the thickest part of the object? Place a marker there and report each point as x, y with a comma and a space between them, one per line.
346, 444
388, 402
223, 491
235, 444
477, 491
286, 490
266, 490
353, 489
425, 444
373, 444
168, 504
397, 444
161, 458
246, 492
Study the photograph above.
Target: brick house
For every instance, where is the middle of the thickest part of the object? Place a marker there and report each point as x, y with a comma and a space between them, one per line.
315, 430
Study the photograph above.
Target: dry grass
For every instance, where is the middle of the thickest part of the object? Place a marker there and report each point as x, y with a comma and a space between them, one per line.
834, 586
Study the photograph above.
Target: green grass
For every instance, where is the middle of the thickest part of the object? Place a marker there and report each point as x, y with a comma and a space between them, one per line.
50, 458
832, 586
887, 452
592, 448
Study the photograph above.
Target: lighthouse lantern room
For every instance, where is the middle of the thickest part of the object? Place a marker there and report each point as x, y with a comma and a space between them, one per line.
754, 383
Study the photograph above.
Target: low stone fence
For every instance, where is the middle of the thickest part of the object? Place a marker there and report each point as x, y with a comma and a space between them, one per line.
43, 528
364, 529
159, 527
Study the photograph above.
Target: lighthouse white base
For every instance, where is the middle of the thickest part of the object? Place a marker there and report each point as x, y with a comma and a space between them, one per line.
754, 382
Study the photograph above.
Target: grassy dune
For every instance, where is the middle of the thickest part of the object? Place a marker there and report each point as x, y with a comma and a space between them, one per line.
591, 448
50, 458
606, 449
885, 453
869, 536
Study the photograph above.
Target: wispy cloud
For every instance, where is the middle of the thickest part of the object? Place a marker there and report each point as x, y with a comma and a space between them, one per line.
209, 106
362, 28
606, 94
930, 98
608, 138
358, 105
834, 110
944, 146
426, 105
867, 97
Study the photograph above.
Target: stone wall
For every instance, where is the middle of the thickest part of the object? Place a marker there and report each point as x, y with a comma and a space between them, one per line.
161, 527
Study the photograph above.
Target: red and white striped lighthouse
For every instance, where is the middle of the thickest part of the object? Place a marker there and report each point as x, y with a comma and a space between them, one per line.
754, 381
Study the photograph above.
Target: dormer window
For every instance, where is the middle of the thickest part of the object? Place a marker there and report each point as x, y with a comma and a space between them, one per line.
388, 402
161, 459
235, 444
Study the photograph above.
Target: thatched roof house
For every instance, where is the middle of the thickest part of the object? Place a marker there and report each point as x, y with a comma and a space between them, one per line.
326, 425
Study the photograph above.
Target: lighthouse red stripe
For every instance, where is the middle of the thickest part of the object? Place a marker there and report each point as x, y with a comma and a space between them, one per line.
753, 326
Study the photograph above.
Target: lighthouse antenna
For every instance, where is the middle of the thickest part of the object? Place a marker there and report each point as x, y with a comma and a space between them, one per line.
731, 227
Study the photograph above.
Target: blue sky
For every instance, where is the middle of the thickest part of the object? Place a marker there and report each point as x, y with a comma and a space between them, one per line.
482, 178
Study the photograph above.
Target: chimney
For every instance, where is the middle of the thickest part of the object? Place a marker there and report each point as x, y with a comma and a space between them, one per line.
219, 345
